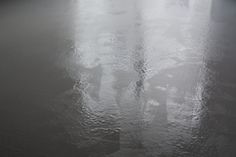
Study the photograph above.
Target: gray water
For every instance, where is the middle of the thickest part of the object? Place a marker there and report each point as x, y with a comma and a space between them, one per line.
118, 78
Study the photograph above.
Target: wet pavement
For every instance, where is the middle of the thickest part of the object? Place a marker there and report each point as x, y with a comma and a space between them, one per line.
108, 78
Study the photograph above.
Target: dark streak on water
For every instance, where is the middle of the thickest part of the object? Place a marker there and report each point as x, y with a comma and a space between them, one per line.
118, 78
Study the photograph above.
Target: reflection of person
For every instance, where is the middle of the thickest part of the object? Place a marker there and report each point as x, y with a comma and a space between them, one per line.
91, 131
130, 87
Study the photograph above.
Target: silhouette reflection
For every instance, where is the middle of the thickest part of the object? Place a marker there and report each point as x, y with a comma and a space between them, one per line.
113, 78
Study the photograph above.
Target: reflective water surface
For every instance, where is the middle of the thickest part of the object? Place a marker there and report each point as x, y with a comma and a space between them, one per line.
107, 78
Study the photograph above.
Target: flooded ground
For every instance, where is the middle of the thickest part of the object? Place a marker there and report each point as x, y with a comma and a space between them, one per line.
118, 78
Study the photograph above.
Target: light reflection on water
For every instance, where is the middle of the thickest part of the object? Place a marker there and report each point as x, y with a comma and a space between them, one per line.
120, 78
143, 66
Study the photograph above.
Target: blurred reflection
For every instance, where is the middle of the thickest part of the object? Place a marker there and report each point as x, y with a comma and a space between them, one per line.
118, 78
183, 3
216, 130
128, 55
134, 110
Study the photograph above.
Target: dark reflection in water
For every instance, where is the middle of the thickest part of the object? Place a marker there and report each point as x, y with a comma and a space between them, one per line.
216, 136
117, 78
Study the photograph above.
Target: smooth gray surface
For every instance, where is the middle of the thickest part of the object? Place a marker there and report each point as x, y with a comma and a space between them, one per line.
118, 78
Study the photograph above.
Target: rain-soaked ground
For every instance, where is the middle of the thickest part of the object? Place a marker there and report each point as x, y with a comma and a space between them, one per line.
118, 78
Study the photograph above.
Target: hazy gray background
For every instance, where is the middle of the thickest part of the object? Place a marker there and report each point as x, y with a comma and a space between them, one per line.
110, 78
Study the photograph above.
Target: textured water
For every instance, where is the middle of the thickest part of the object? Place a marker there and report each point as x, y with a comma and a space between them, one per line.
107, 78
